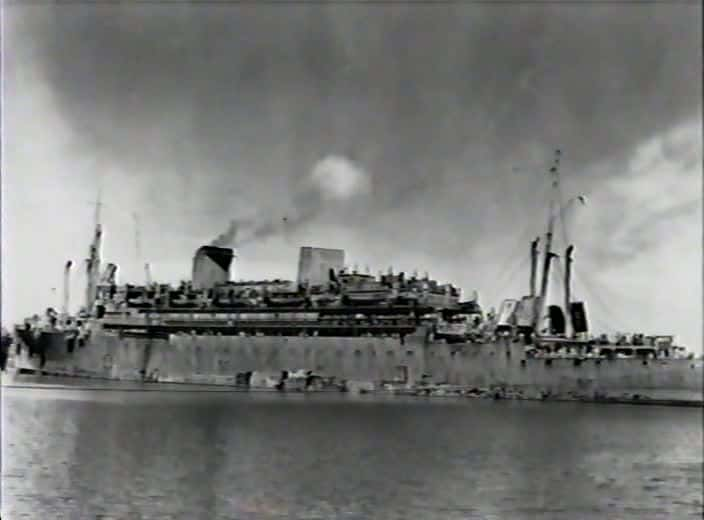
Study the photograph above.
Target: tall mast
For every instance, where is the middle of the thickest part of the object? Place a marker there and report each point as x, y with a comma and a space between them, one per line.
548, 255
568, 281
93, 261
534, 254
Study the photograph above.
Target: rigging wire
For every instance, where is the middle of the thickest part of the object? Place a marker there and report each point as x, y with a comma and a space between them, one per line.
518, 268
508, 274
601, 324
588, 284
558, 274
607, 308
585, 281
523, 241
511, 265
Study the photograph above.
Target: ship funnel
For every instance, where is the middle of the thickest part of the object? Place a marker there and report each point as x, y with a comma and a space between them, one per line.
211, 266
315, 264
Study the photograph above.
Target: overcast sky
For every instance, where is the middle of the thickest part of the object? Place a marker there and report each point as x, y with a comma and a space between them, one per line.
445, 116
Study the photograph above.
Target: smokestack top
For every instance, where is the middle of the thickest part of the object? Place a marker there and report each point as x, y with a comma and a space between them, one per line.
211, 266
222, 256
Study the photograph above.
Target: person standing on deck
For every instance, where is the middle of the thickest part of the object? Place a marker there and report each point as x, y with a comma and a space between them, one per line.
5, 344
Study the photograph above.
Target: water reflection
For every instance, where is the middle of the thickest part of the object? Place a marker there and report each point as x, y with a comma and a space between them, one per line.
77, 454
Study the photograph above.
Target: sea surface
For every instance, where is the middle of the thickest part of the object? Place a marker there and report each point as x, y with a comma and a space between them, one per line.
81, 453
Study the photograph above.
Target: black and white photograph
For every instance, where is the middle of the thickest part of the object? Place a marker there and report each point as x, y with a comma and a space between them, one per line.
352, 260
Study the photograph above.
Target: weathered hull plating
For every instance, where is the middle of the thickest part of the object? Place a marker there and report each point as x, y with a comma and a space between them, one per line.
362, 361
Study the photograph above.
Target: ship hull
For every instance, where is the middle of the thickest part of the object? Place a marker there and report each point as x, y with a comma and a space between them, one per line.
366, 362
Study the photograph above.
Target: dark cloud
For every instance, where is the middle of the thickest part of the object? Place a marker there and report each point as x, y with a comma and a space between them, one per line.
225, 108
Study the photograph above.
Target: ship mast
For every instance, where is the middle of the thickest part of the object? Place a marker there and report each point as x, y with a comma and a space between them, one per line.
568, 281
534, 254
93, 261
548, 256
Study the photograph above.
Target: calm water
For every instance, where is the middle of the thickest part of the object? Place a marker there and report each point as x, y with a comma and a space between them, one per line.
81, 454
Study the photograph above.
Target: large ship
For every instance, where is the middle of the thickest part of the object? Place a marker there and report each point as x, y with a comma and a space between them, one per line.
338, 328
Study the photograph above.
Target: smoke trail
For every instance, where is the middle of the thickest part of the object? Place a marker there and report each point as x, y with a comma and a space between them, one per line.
333, 180
228, 237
